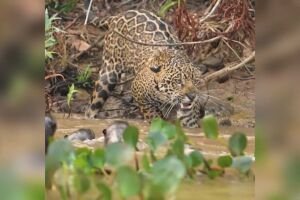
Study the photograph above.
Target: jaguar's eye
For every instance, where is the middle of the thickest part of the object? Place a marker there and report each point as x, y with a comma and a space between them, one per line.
155, 69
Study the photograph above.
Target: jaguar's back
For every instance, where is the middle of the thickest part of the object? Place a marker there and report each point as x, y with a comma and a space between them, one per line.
134, 25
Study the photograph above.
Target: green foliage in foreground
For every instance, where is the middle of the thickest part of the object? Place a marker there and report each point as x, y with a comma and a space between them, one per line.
118, 171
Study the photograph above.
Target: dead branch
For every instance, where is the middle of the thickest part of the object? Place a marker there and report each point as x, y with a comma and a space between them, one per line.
229, 69
236, 54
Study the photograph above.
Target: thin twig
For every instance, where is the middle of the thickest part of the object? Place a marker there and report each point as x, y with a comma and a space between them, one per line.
227, 70
88, 12
243, 78
54, 75
170, 44
211, 12
236, 54
71, 23
236, 41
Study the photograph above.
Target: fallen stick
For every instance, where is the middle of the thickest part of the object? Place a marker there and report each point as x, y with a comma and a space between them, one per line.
228, 70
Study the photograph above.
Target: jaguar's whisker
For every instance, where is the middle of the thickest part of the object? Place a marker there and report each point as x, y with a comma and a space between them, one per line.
169, 110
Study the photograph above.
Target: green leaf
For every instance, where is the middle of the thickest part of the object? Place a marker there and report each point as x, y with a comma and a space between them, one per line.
210, 127
146, 163
156, 125
84, 76
68, 6
166, 6
179, 131
130, 136
61, 151
156, 139
49, 20
188, 161
197, 158
81, 163
83, 152
81, 183
242, 163
117, 154
105, 191
129, 182
98, 158
237, 144
169, 130
178, 148
212, 174
225, 161
166, 175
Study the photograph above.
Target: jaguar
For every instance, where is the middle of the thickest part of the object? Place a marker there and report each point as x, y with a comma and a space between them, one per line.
140, 44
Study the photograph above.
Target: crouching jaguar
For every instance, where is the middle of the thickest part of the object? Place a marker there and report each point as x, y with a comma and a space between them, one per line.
165, 79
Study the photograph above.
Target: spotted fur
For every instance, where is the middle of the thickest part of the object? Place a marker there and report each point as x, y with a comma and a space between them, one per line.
164, 75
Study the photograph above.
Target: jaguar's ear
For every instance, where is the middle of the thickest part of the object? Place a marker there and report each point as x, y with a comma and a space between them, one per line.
155, 68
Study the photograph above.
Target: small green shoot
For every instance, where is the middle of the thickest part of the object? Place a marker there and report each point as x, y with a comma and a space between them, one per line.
83, 77
70, 94
166, 6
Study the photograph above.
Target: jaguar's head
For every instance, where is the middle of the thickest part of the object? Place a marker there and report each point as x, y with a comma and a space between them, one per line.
173, 75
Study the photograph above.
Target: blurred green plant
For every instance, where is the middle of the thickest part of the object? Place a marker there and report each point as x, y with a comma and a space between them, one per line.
158, 177
50, 29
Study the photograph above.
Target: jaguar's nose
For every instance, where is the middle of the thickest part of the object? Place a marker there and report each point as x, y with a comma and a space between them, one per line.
191, 95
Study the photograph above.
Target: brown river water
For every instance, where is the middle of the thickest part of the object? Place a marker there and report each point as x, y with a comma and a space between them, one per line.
229, 187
